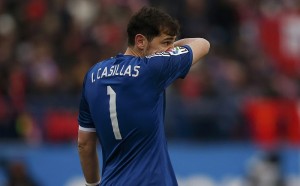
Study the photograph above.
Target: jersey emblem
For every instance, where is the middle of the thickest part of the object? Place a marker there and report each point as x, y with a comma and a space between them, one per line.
173, 52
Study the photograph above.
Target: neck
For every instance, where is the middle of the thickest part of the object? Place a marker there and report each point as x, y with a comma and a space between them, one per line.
133, 52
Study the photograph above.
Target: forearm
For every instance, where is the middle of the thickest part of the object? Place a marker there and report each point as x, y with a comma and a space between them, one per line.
87, 149
90, 165
199, 46
184, 41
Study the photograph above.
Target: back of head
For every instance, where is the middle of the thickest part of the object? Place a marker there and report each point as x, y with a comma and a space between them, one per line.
151, 22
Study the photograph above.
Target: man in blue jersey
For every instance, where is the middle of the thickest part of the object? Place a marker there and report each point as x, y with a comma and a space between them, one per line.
123, 103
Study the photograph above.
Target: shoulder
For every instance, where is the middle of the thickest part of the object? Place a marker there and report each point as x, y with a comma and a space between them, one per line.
100, 64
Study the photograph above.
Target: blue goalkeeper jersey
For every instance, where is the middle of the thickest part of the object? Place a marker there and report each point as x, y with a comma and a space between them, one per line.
123, 100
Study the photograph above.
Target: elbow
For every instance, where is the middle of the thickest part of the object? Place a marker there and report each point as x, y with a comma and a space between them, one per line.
86, 142
81, 147
86, 147
206, 46
86, 150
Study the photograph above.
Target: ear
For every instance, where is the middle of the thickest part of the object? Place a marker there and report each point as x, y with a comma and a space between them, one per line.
140, 41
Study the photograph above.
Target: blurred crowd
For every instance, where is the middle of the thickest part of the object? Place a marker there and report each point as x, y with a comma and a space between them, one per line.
46, 47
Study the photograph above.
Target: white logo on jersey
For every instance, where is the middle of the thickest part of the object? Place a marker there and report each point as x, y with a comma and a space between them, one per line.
174, 52
178, 50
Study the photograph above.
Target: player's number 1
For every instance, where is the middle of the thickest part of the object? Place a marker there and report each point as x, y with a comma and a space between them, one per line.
113, 112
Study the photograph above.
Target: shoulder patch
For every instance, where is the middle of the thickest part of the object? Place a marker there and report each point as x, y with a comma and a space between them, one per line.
172, 52
166, 54
178, 50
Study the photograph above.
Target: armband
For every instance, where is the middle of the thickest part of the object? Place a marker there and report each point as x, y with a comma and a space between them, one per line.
93, 184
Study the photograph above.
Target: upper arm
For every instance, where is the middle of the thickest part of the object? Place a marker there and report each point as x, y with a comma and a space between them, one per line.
87, 140
200, 48
84, 116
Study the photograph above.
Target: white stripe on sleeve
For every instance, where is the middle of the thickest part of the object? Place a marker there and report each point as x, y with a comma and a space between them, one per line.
87, 129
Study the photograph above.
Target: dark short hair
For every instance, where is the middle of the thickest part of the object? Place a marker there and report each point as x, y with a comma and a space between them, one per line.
151, 22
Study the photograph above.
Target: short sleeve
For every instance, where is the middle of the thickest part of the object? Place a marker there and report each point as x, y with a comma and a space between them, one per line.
85, 120
172, 65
